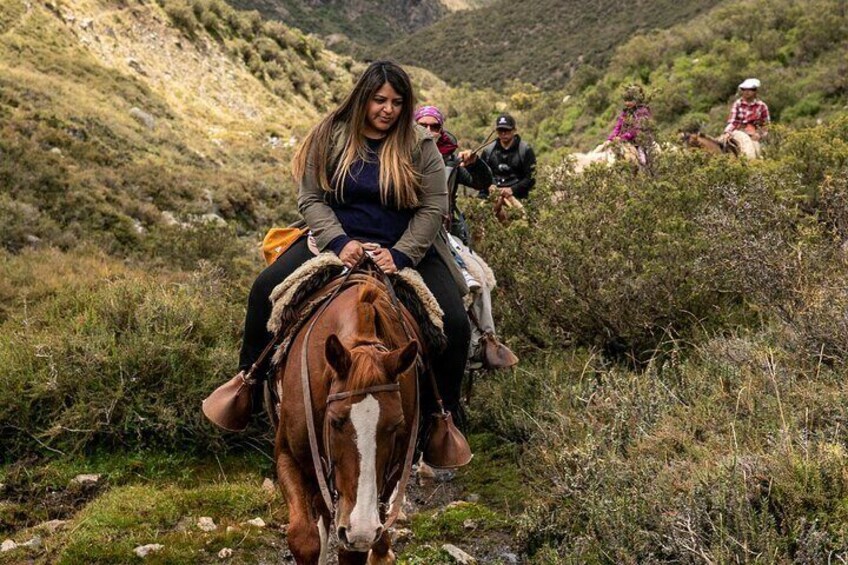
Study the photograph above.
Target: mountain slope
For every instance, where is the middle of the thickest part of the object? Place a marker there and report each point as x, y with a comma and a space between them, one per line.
351, 26
117, 119
691, 72
538, 41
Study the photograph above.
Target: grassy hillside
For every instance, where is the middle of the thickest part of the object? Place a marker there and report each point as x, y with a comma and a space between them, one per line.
685, 401
690, 72
116, 122
681, 396
540, 42
355, 27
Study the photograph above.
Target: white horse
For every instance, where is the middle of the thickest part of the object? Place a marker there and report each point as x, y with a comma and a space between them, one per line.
746, 144
608, 154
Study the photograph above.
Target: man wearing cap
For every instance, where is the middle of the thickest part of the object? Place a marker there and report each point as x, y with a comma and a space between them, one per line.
512, 161
749, 114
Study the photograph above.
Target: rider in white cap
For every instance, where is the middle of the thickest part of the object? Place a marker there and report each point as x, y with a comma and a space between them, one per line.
749, 114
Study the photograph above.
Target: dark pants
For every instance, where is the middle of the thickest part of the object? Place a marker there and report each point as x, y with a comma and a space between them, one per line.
449, 366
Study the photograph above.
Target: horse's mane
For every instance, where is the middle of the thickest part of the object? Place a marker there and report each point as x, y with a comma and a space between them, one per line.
376, 322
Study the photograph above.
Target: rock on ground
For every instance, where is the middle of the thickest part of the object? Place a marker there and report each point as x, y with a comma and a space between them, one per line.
86, 479
145, 550
458, 555
52, 526
143, 118
225, 553
7, 545
206, 524
34, 543
256, 522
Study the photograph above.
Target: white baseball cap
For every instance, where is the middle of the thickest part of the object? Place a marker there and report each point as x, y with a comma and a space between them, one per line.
750, 84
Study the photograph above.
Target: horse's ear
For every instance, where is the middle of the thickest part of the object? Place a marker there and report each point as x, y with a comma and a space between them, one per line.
337, 355
399, 360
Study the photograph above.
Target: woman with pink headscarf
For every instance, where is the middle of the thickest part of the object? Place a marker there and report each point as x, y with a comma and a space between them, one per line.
466, 169
463, 168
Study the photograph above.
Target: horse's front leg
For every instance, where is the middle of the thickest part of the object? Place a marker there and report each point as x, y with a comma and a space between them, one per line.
381, 553
352, 557
304, 534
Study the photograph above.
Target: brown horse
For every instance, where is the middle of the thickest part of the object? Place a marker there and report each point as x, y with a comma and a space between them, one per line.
709, 144
342, 449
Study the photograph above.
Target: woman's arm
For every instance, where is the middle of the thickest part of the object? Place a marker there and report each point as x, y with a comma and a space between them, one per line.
318, 215
477, 175
432, 206
732, 120
619, 123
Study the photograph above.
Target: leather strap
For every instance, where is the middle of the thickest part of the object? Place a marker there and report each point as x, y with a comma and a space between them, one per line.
396, 303
372, 389
322, 470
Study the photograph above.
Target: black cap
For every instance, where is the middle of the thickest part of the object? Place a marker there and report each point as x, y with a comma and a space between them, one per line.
505, 121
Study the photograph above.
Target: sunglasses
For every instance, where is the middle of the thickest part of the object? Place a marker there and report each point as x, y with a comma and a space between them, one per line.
432, 127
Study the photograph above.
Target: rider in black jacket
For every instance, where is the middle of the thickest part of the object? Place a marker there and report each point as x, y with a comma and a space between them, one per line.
512, 161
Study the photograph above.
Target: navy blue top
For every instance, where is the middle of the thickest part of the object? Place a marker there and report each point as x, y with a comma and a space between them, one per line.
362, 214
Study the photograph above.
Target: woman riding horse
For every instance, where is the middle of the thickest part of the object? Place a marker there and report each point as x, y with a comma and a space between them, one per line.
371, 181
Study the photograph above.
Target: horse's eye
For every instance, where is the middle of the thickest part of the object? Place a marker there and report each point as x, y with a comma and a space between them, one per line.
338, 423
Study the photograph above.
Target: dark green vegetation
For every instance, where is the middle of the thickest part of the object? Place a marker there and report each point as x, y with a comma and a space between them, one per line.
350, 25
143, 498
540, 42
687, 395
681, 395
288, 62
797, 50
690, 72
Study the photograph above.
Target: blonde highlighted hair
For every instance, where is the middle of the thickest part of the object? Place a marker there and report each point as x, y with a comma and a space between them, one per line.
338, 141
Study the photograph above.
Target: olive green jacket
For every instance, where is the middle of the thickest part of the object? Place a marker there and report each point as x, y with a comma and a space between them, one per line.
425, 228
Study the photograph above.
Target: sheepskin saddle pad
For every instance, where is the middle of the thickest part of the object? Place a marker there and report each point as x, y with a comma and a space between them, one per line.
294, 301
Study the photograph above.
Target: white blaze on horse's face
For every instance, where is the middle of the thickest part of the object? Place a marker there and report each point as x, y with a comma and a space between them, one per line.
365, 526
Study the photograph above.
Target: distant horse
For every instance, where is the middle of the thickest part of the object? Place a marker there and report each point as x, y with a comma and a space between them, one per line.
348, 420
608, 154
739, 143
599, 154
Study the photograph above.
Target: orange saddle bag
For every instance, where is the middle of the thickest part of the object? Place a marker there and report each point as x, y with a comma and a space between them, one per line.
278, 240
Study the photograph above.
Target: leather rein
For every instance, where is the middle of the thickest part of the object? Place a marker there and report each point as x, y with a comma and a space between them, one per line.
323, 467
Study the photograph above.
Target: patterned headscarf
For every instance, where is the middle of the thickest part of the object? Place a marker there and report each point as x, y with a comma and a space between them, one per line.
634, 93
429, 111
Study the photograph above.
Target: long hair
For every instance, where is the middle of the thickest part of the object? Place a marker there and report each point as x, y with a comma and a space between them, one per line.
338, 141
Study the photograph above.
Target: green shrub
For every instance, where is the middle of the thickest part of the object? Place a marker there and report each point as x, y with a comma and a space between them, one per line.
111, 357
625, 261
723, 452
182, 16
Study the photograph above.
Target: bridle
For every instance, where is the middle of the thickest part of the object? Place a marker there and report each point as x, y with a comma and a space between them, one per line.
335, 397
323, 467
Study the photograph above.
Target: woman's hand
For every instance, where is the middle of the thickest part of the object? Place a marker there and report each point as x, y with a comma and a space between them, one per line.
467, 157
383, 258
351, 253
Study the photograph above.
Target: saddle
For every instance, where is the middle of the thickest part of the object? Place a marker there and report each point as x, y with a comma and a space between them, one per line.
296, 299
300, 296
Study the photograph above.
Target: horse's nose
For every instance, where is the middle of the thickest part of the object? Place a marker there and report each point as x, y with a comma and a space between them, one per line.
358, 543
342, 533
